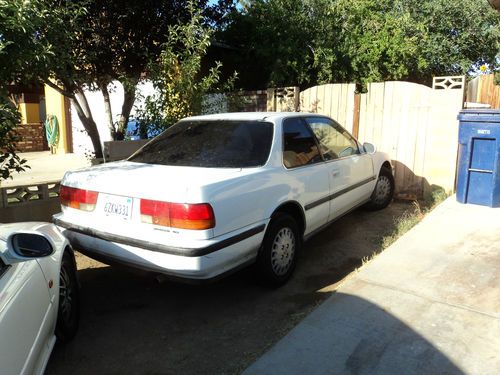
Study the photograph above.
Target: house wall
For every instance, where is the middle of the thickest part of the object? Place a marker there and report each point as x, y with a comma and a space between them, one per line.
32, 137
58, 106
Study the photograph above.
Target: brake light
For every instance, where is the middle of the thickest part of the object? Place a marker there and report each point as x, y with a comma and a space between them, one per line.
155, 212
196, 216
78, 198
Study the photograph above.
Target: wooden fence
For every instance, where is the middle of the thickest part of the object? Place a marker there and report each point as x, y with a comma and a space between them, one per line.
482, 89
334, 100
415, 124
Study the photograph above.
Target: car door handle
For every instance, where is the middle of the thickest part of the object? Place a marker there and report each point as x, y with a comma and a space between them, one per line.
335, 172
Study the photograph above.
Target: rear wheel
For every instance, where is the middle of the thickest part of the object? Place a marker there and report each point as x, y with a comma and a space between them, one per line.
384, 191
68, 313
278, 254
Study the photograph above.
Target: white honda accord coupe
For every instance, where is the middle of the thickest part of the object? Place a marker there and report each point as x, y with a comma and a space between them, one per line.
38, 295
215, 193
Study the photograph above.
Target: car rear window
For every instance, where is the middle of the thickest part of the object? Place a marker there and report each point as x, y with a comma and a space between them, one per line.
210, 144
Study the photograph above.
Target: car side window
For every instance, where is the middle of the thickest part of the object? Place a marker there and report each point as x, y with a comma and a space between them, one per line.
299, 145
334, 141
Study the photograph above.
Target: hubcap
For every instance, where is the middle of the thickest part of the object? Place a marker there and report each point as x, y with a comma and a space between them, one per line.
382, 190
65, 293
283, 251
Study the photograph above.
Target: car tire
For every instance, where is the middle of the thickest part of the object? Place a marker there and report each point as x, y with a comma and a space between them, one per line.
384, 190
278, 253
68, 313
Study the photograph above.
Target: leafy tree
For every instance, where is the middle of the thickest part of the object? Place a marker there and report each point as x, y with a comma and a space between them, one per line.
109, 42
285, 42
275, 40
176, 74
94, 42
9, 160
22, 57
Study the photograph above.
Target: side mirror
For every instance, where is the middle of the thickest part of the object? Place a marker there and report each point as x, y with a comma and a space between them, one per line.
23, 246
369, 148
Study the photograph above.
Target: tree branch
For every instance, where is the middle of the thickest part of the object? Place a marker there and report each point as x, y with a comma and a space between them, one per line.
60, 90
80, 95
107, 108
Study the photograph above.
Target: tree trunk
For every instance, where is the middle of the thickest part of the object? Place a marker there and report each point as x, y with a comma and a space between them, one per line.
108, 114
79, 100
128, 102
85, 116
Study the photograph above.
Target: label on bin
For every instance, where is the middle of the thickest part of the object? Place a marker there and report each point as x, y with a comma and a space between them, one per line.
483, 131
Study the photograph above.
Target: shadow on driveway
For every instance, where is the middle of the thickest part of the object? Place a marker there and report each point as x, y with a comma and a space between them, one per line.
130, 324
350, 335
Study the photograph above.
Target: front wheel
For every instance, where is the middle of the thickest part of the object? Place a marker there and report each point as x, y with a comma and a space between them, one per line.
68, 313
384, 191
278, 254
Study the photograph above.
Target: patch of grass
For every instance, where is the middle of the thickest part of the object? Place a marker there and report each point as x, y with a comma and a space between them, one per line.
402, 225
410, 218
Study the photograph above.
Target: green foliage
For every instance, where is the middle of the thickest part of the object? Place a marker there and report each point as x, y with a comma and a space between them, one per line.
86, 44
22, 57
286, 42
176, 75
9, 160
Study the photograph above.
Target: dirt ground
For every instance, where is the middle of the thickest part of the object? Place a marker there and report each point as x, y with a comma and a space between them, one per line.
132, 324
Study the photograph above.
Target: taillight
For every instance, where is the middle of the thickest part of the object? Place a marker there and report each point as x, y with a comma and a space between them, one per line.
78, 198
155, 212
197, 216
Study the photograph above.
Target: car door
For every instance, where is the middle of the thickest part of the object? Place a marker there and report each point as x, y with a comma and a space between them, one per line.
306, 172
350, 170
24, 304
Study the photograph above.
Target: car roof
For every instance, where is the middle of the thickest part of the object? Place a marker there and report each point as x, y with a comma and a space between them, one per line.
256, 116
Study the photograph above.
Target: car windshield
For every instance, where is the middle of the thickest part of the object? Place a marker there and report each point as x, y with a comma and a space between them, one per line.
210, 144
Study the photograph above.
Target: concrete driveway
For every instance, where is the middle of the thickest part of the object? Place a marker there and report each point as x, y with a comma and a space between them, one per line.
429, 304
45, 167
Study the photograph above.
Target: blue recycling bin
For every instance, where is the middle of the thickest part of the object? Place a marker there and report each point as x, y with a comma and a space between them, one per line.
478, 173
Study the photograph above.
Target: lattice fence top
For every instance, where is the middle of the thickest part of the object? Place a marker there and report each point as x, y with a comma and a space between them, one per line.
283, 99
448, 83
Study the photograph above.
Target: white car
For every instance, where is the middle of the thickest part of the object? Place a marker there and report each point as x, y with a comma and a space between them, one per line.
38, 295
215, 193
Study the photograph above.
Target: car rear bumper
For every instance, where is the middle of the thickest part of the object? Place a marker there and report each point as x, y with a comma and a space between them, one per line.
207, 262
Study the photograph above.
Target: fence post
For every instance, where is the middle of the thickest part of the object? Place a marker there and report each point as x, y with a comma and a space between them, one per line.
355, 117
271, 100
296, 98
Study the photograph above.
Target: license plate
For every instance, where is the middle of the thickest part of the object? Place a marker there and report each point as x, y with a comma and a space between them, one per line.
119, 207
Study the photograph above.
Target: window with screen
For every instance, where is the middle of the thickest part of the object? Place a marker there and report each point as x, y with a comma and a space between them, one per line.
334, 141
299, 144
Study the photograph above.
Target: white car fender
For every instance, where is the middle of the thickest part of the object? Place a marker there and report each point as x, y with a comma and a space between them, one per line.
50, 264
379, 158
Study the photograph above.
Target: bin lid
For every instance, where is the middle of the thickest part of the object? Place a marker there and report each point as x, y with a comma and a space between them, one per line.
480, 115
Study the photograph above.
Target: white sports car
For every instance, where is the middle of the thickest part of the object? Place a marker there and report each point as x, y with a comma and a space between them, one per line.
218, 192
38, 295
